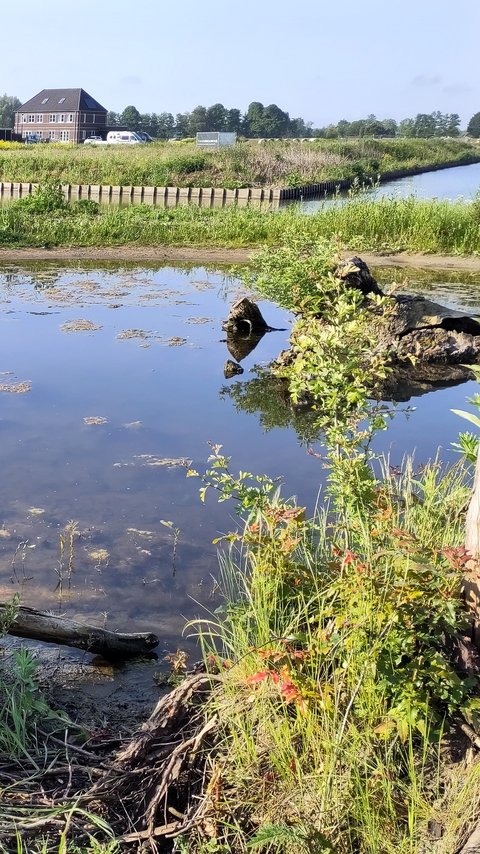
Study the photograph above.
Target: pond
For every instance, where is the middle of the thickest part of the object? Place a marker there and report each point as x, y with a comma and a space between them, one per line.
111, 381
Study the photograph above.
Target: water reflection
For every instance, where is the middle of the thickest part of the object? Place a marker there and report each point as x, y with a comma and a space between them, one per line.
116, 403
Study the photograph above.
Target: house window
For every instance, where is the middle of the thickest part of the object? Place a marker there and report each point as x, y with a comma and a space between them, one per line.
64, 135
40, 118
61, 100
24, 118
44, 100
61, 118
84, 134
52, 134
70, 117
93, 118
52, 118
84, 118
31, 118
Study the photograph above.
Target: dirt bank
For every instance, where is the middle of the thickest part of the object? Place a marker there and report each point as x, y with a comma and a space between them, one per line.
213, 257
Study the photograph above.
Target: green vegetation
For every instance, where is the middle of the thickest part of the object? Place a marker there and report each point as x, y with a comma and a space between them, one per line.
247, 164
340, 695
339, 710
364, 224
338, 689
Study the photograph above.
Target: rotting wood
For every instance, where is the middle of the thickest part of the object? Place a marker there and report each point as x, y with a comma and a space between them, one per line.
245, 318
37, 625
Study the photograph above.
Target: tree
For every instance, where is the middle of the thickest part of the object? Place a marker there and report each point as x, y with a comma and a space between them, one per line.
275, 121
473, 127
216, 117
165, 126
452, 124
198, 121
233, 122
182, 124
113, 119
130, 118
9, 104
424, 125
254, 119
406, 127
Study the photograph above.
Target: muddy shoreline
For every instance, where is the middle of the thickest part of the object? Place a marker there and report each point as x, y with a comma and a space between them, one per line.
214, 256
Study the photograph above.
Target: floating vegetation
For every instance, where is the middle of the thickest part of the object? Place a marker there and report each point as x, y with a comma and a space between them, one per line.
199, 320
36, 511
4, 534
16, 388
99, 555
157, 462
175, 341
80, 326
134, 333
147, 535
95, 419
202, 286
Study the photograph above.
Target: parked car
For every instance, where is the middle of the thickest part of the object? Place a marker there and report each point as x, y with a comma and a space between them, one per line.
32, 138
93, 140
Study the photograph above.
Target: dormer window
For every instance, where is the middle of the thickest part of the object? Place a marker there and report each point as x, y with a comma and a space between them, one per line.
44, 100
61, 100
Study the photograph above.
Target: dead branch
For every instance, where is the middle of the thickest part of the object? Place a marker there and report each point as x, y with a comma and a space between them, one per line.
29, 623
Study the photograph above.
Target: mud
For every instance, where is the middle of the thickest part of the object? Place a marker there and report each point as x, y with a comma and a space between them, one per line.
209, 256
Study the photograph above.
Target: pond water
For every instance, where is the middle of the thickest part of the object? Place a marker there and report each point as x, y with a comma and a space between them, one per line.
110, 379
458, 182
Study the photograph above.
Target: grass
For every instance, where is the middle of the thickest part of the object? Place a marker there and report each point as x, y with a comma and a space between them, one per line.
247, 164
391, 224
337, 693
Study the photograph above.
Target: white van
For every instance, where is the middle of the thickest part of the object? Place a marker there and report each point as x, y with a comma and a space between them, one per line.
124, 137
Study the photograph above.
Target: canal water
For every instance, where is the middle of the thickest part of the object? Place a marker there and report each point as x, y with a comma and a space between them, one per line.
111, 382
456, 183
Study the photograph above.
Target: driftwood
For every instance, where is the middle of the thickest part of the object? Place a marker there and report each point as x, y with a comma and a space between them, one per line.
164, 779
29, 623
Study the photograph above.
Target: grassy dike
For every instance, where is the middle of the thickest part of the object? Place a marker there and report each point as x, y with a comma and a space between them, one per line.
389, 224
289, 163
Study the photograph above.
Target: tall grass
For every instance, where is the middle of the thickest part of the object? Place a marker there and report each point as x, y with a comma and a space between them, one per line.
363, 224
248, 163
330, 716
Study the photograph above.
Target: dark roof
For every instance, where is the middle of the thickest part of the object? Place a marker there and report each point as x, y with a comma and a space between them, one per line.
51, 99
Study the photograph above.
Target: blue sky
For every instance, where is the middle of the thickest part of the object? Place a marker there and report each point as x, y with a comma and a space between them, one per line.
319, 60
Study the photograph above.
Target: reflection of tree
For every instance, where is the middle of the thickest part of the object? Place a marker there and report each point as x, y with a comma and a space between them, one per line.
267, 396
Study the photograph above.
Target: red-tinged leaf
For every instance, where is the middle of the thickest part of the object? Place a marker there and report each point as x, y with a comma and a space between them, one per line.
257, 677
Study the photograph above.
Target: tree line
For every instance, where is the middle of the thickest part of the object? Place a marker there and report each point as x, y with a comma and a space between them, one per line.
267, 121
271, 121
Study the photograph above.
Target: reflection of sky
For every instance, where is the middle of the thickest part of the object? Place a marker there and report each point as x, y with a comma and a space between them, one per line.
53, 461
454, 183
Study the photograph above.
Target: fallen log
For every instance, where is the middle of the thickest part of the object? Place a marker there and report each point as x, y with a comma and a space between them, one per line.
49, 628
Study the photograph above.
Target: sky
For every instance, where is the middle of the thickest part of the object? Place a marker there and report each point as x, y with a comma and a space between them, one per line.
318, 60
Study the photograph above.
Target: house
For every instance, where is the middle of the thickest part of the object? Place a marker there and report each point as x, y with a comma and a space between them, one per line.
61, 115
